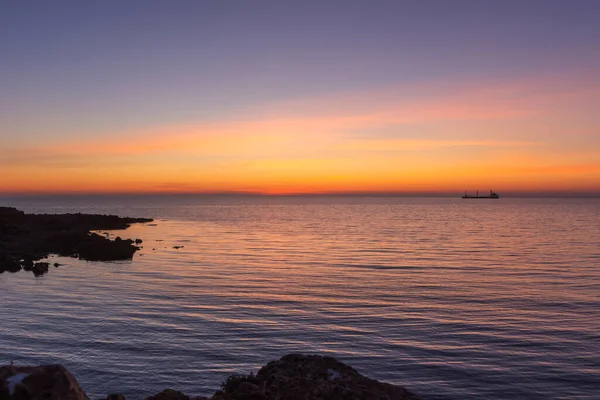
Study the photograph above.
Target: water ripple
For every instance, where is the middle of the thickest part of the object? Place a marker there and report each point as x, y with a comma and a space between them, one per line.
494, 300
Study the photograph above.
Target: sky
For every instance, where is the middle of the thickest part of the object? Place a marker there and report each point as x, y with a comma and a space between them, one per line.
281, 97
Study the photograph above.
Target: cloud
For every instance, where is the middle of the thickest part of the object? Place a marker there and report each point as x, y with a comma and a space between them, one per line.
565, 169
504, 128
416, 144
318, 122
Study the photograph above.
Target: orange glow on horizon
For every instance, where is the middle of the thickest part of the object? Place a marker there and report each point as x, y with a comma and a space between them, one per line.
491, 137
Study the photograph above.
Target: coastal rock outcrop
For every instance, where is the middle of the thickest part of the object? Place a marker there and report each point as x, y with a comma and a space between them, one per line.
115, 397
169, 394
47, 382
40, 268
293, 377
303, 377
26, 238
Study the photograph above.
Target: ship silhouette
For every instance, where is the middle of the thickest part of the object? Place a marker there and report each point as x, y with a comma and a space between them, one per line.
492, 195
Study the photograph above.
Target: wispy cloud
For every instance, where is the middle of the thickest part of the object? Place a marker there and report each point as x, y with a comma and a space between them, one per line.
416, 144
344, 139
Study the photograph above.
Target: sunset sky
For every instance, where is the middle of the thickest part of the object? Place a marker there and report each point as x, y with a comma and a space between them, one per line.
300, 96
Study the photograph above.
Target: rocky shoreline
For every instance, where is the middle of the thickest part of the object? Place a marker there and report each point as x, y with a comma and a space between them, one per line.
293, 377
25, 239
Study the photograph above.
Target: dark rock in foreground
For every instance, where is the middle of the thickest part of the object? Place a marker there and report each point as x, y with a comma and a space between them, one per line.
26, 238
169, 394
48, 382
293, 377
302, 377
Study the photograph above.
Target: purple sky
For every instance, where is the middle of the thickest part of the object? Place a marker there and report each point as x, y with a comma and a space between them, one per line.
73, 70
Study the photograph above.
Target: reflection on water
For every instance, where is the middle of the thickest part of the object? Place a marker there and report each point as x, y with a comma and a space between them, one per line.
451, 298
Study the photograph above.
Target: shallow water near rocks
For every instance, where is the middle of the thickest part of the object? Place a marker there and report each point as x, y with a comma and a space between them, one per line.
452, 298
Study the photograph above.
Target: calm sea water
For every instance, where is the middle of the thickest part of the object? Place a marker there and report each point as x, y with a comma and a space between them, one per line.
453, 298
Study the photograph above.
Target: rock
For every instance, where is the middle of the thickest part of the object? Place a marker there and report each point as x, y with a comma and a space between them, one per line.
47, 382
26, 238
10, 212
138, 241
250, 391
98, 248
309, 377
10, 230
293, 377
40, 268
177, 247
27, 264
115, 396
169, 394
9, 263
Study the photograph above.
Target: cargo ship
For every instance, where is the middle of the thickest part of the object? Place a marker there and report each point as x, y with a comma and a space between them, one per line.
492, 195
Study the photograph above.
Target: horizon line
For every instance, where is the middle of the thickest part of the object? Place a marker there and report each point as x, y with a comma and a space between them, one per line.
510, 194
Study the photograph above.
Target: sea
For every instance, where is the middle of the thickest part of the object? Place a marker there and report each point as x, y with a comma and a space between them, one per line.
452, 298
